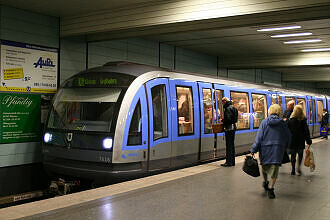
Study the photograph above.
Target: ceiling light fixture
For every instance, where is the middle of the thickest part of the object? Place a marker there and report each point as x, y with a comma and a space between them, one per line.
279, 28
302, 41
316, 50
292, 35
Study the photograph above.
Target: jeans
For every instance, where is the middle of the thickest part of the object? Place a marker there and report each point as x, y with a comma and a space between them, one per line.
230, 147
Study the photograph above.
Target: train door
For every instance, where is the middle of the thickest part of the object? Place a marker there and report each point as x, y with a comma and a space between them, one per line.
244, 136
185, 122
320, 106
319, 103
206, 97
159, 123
310, 115
315, 124
259, 108
301, 100
135, 136
220, 91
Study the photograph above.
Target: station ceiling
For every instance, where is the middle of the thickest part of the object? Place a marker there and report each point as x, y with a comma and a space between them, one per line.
225, 28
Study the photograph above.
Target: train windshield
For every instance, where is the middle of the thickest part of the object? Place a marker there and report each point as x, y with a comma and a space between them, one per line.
84, 109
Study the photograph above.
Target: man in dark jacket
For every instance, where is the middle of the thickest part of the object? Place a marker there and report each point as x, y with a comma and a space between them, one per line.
324, 121
229, 120
288, 111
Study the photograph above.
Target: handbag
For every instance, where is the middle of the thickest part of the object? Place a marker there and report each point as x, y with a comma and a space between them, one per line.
309, 159
251, 166
286, 158
217, 128
307, 162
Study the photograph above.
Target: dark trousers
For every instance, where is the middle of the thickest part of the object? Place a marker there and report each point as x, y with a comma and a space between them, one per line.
294, 153
230, 147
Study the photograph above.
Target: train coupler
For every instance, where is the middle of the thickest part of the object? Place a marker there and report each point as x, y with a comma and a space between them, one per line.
62, 187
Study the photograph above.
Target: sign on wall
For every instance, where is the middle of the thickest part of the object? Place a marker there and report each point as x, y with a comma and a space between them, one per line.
28, 68
20, 118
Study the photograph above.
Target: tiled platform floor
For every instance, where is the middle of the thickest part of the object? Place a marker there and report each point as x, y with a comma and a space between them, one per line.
203, 192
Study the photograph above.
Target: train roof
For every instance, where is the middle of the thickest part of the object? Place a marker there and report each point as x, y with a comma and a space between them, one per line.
234, 83
145, 73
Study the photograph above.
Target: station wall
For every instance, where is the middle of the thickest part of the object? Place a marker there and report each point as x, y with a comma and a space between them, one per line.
72, 57
25, 27
20, 167
151, 53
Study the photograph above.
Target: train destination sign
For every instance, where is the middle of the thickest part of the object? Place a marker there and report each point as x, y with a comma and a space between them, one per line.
20, 118
28, 68
100, 80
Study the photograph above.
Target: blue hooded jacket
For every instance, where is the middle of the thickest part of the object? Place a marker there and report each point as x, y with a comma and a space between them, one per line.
272, 139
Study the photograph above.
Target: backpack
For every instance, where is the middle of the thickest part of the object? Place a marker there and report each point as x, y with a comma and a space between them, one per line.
235, 113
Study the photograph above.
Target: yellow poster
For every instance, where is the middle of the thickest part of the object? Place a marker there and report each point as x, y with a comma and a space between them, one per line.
27, 68
13, 73
20, 89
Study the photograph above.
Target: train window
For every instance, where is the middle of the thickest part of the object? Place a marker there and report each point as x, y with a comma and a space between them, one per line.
241, 102
310, 112
319, 110
302, 103
135, 129
259, 104
84, 109
280, 102
288, 99
220, 95
185, 110
208, 116
159, 108
273, 100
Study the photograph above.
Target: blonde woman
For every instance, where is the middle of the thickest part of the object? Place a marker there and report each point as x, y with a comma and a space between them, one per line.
300, 133
272, 138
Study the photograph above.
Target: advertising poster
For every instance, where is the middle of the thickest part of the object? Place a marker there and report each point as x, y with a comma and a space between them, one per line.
28, 68
20, 117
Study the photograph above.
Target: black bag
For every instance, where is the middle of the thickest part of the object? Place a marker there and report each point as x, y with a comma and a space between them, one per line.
286, 158
251, 166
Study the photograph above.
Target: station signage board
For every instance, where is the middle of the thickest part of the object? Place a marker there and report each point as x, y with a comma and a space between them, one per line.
20, 117
28, 68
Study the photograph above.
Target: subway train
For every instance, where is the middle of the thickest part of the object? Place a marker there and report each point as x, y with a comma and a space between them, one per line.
124, 119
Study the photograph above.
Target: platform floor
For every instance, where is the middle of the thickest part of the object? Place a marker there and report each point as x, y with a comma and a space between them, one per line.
207, 191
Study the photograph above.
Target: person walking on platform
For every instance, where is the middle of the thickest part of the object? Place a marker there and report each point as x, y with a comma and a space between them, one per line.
324, 120
229, 120
288, 111
299, 133
272, 138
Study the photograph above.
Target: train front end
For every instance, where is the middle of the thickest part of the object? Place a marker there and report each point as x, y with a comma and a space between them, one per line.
79, 132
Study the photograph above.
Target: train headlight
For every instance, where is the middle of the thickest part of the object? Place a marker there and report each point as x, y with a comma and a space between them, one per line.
107, 143
48, 137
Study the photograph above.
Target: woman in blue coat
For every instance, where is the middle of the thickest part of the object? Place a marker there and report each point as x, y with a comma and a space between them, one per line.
272, 138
